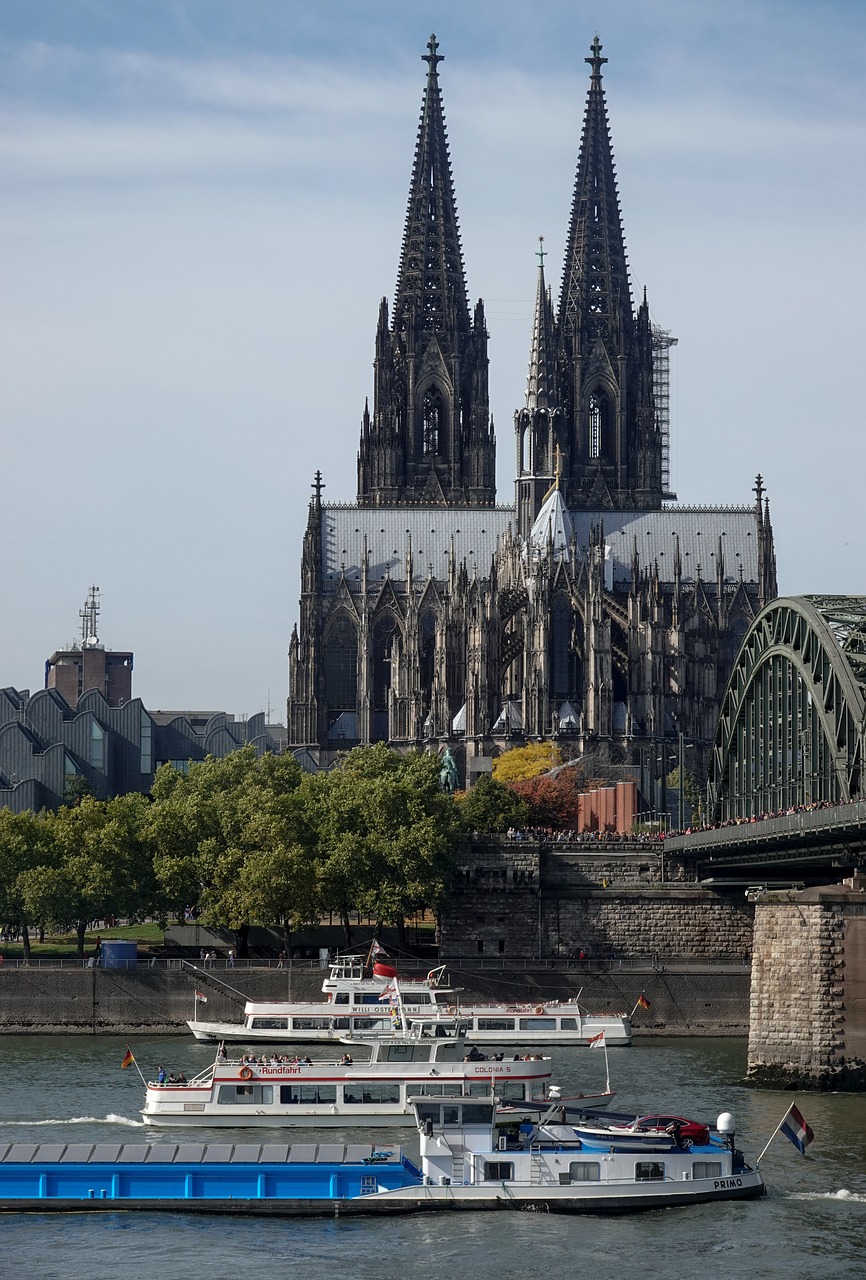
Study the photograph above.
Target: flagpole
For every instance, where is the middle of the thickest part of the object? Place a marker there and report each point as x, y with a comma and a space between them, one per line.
606, 1065
772, 1136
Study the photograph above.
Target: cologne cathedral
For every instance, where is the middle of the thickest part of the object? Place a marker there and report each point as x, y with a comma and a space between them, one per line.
595, 610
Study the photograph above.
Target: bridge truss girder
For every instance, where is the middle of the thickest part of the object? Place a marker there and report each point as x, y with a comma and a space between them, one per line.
791, 724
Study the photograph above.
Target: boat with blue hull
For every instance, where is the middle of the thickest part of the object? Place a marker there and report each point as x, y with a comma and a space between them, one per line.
467, 1162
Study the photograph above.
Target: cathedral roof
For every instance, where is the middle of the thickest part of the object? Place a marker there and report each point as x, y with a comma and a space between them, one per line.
473, 533
698, 530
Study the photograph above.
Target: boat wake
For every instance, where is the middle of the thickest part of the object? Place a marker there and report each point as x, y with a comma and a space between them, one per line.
109, 1119
855, 1197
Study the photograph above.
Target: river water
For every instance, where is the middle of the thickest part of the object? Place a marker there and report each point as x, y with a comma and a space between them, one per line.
811, 1223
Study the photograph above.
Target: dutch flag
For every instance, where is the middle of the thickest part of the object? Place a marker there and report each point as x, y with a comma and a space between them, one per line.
796, 1130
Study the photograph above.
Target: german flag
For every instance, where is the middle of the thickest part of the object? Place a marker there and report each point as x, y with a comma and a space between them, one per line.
642, 1002
128, 1059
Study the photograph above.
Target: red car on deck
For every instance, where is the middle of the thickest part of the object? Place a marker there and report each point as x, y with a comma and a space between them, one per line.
689, 1130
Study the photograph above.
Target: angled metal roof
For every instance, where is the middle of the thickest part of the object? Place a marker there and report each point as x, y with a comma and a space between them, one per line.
389, 530
699, 530
476, 531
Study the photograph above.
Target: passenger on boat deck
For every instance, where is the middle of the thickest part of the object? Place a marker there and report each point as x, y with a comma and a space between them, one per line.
181, 1079
221, 1052
475, 1055
308, 1061
160, 1075
345, 1061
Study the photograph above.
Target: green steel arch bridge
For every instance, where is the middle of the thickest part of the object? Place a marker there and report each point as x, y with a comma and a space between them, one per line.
785, 790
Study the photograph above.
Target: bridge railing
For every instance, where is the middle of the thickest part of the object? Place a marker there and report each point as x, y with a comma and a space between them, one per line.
838, 818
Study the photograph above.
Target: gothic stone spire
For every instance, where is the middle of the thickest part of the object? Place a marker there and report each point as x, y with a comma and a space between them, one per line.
430, 439
605, 354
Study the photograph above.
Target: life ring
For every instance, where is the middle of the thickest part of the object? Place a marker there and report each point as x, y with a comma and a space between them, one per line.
245, 1073
453, 1010
539, 1008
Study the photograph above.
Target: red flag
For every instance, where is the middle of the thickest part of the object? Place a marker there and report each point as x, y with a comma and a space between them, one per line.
128, 1059
381, 970
597, 1042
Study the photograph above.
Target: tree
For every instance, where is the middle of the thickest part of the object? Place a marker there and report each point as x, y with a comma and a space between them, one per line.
102, 865
492, 806
211, 827
552, 799
25, 849
385, 834
521, 763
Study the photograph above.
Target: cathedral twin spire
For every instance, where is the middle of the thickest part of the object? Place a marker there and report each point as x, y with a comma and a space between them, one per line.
602, 418
429, 439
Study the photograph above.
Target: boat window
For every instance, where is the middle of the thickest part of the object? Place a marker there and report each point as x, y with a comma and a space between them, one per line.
495, 1024
428, 1111
341, 1024
270, 1024
400, 1053
475, 1114
309, 1093
371, 1024
707, 1169
251, 1095
479, 1089
368, 997
450, 1115
538, 1024
568, 1024
511, 1090
498, 1170
427, 1090
583, 1171
369, 1184
649, 1171
369, 1092
420, 997
342, 997
310, 1024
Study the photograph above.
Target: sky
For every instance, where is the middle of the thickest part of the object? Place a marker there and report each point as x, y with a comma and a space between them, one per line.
202, 203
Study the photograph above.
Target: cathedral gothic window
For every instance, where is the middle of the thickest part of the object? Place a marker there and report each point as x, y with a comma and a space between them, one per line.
594, 425
434, 419
341, 666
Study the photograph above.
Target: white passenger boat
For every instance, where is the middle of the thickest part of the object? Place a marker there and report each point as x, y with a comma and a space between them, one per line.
276, 1090
352, 1004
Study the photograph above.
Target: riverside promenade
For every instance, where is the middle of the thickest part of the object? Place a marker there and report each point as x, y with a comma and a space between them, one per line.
65, 998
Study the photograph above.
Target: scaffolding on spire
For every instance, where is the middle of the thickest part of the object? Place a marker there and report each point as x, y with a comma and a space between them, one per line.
662, 341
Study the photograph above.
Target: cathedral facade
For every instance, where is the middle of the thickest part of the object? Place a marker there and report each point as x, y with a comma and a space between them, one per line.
594, 610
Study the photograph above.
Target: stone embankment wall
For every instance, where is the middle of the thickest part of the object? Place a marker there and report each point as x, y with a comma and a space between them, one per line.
808, 991
522, 900
158, 1001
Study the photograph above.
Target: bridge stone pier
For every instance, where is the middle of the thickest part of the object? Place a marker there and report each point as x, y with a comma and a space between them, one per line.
807, 1007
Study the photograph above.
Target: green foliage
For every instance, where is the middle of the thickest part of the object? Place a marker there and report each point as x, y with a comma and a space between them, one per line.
492, 806
384, 833
245, 840
521, 763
